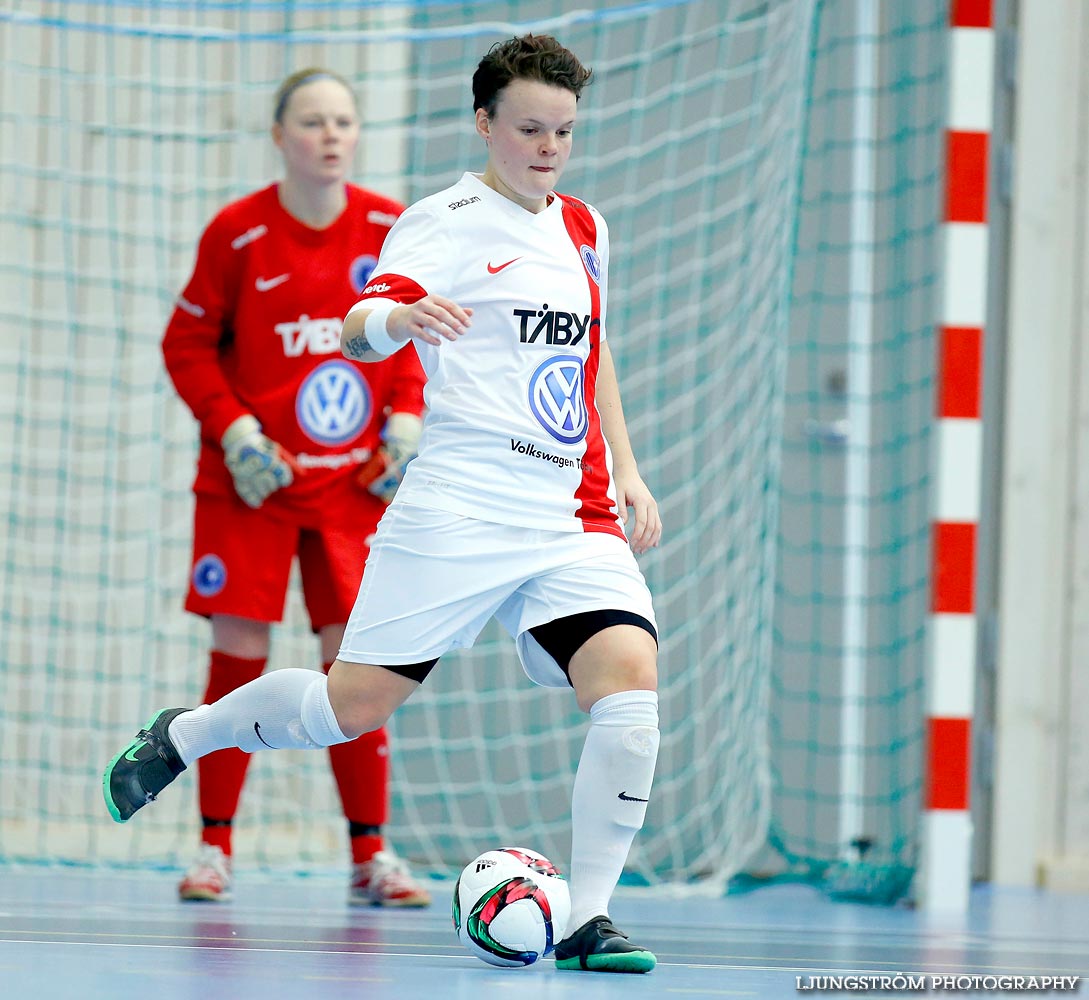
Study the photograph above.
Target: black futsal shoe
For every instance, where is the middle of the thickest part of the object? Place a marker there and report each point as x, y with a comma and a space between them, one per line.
143, 769
597, 946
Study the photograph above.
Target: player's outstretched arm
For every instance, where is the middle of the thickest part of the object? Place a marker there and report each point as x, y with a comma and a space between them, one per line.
374, 334
646, 523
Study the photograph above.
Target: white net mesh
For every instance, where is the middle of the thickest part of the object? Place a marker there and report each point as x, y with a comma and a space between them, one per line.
121, 134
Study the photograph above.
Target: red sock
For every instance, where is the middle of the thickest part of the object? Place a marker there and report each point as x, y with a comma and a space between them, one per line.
361, 769
218, 835
366, 847
220, 775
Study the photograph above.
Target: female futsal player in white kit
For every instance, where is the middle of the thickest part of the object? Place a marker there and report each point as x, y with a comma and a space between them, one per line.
515, 507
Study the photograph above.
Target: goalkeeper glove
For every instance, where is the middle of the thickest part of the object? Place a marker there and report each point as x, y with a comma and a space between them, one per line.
258, 465
400, 440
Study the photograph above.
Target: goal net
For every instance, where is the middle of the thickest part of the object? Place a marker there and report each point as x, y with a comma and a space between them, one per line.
122, 131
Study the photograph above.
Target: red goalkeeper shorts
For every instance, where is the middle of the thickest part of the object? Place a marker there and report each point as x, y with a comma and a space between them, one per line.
242, 564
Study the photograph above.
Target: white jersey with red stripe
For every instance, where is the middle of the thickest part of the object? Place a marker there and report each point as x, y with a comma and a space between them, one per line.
512, 433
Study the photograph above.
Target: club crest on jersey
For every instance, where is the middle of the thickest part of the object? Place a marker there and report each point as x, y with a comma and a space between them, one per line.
360, 271
209, 575
333, 404
592, 262
556, 398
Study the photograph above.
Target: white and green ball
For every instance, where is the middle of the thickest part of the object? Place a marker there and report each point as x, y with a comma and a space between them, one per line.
510, 906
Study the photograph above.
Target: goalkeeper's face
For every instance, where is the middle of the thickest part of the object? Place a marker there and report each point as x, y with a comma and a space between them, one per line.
529, 140
318, 133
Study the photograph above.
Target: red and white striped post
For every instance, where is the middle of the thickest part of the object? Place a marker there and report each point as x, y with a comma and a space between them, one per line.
946, 859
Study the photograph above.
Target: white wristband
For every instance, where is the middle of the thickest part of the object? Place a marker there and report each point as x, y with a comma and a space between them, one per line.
374, 329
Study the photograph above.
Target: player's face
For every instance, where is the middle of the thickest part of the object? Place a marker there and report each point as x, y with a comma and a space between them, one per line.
529, 140
318, 133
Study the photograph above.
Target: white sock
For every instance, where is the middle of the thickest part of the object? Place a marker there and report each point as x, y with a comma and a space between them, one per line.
279, 710
609, 801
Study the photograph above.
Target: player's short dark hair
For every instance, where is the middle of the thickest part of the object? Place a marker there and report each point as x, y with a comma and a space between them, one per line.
300, 78
530, 57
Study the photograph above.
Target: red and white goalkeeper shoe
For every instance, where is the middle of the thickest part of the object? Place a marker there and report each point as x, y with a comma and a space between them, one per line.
386, 881
209, 878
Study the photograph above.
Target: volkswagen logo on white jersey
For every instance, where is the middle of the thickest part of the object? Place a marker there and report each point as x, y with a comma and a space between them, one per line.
556, 398
333, 404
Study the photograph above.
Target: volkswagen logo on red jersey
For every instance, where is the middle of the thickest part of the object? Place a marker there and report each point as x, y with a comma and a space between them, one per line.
556, 398
333, 404
360, 270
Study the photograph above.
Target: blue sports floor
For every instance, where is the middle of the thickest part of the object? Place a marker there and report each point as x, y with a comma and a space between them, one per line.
85, 934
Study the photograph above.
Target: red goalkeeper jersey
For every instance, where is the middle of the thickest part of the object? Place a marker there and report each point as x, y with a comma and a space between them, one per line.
257, 330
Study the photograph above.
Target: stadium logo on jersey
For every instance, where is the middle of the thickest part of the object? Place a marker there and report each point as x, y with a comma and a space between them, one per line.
376, 218
462, 202
360, 270
556, 398
190, 307
209, 575
249, 236
551, 326
333, 404
592, 262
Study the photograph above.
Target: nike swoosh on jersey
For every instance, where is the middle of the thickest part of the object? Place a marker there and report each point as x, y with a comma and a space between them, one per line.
496, 268
623, 795
264, 284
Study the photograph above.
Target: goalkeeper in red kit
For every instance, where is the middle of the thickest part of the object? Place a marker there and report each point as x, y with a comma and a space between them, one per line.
300, 449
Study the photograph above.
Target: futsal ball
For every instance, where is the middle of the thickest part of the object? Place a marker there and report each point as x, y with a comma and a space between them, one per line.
510, 906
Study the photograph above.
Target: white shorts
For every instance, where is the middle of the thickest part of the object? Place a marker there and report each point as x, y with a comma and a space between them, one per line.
434, 579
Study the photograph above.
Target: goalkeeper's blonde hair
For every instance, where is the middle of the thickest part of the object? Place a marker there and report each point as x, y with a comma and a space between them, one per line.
299, 79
